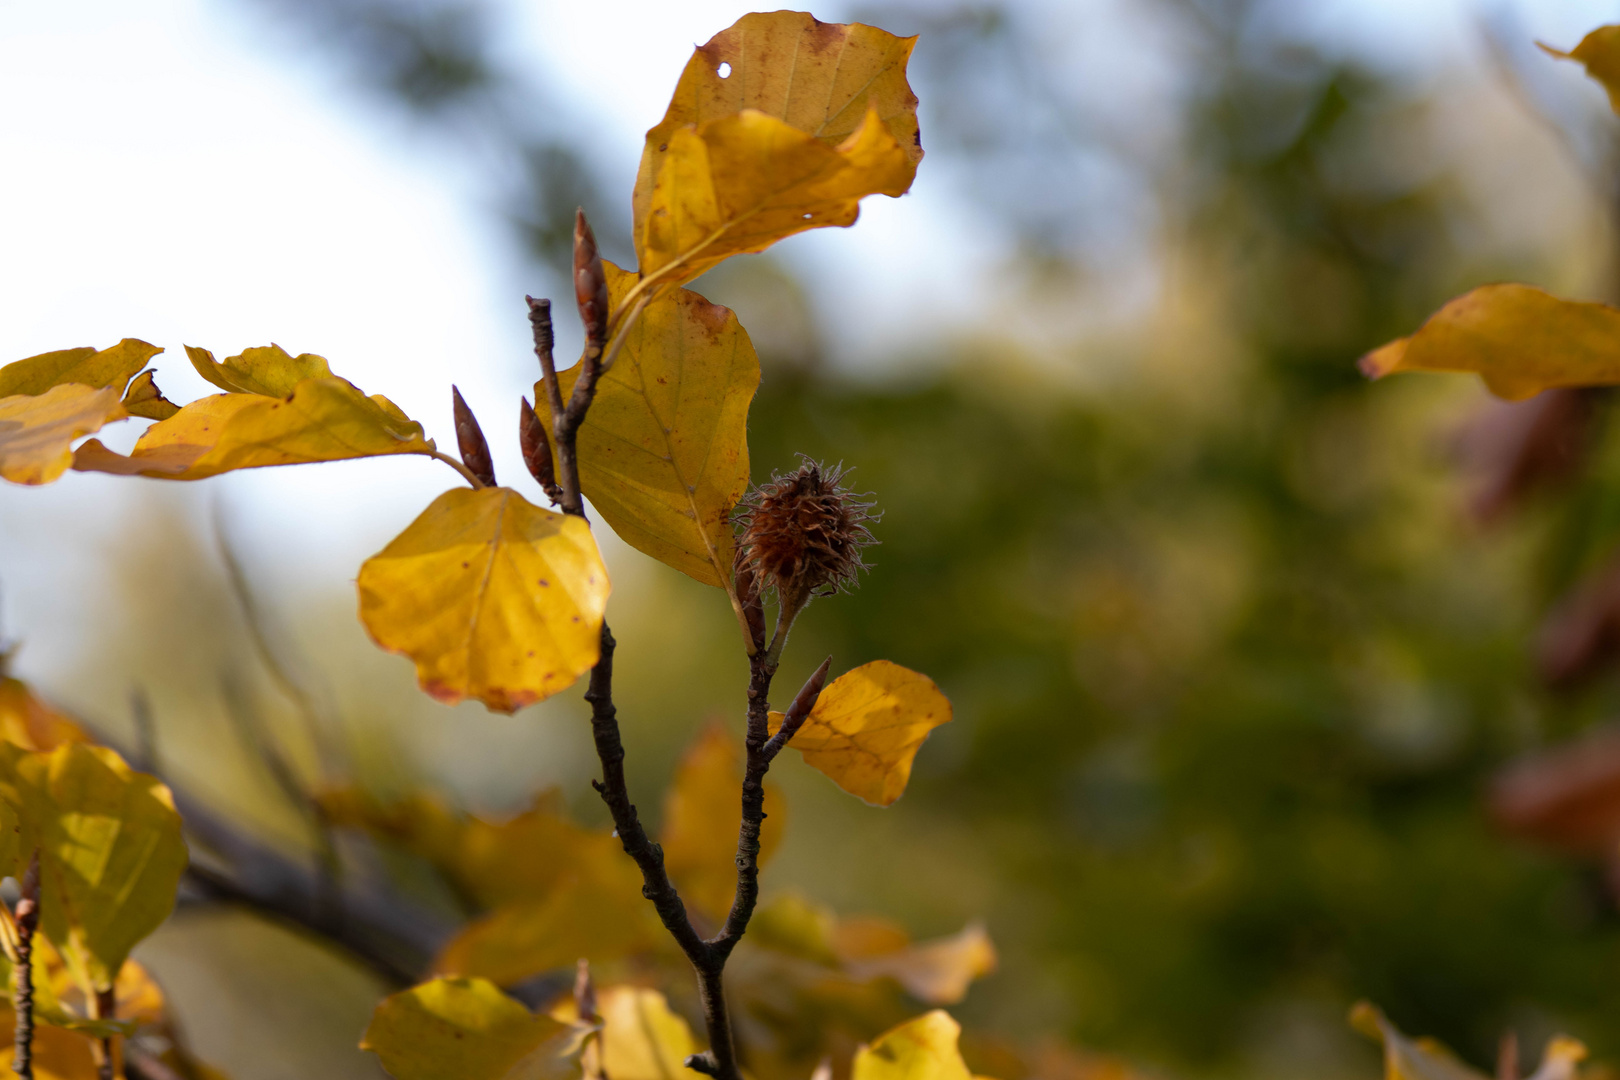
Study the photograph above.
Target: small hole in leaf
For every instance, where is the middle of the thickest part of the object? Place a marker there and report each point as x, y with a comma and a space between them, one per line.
807, 217
724, 71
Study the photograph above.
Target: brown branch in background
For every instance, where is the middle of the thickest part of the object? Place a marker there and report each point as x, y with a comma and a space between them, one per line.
470, 440
22, 995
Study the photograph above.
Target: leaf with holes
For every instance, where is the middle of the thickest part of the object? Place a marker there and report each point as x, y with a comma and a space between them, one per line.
920, 1049
701, 816
466, 1029
37, 432
113, 366
492, 597
663, 452
1520, 340
820, 78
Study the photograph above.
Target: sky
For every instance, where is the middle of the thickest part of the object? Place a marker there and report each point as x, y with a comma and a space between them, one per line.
183, 172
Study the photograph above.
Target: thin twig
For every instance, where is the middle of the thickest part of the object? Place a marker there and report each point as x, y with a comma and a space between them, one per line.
466, 473
22, 994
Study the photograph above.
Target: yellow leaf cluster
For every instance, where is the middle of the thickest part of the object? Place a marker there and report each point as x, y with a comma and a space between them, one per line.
466, 1029
867, 727
492, 597
664, 448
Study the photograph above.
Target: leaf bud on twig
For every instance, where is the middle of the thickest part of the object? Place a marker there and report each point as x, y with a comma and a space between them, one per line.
590, 287
537, 451
470, 439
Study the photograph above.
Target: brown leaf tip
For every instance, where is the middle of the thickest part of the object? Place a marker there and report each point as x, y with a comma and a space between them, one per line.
803, 533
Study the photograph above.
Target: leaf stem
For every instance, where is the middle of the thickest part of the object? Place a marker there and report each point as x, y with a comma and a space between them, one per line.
466, 473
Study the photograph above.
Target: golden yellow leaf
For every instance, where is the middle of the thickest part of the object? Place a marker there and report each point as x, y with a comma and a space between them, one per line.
641, 1037
87, 367
867, 727
920, 1049
466, 1029
935, 972
1519, 339
30, 722
59, 1054
1599, 52
492, 597
663, 451
110, 850
594, 917
793, 925
267, 370
740, 183
325, 419
821, 78
702, 813
144, 399
37, 432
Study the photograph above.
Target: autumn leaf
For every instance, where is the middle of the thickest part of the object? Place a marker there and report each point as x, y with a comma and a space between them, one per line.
466, 1029
144, 399
641, 1037
59, 1054
324, 419
663, 451
920, 1049
110, 846
867, 727
702, 814
935, 972
37, 432
820, 78
1599, 52
492, 597
112, 367
1519, 339
267, 371
1426, 1059
740, 183
32, 724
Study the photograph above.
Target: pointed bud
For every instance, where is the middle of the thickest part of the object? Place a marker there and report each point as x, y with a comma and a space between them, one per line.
811, 691
585, 993
27, 911
537, 451
590, 287
470, 438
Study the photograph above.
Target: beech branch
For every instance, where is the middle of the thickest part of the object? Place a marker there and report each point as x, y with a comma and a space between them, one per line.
26, 918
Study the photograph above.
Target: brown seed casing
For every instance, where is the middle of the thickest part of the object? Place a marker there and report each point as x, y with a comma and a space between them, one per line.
803, 534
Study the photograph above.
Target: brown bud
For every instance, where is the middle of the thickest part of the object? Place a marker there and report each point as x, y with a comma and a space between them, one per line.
810, 691
585, 993
27, 911
590, 287
537, 451
470, 438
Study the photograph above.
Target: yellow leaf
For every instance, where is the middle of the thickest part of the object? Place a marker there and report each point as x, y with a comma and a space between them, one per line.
30, 722
325, 419
535, 854
702, 814
642, 1038
87, 367
37, 432
740, 183
1519, 339
599, 918
1599, 52
936, 972
144, 399
663, 451
1409, 1059
110, 846
821, 78
466, 1029
867, 727
492, 597
59, 1054
920, 1049
795, 926
266, 370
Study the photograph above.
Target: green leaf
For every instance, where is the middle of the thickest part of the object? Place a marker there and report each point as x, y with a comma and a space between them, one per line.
109, 367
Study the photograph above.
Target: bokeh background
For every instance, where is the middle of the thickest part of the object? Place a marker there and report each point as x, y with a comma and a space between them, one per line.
1232, 651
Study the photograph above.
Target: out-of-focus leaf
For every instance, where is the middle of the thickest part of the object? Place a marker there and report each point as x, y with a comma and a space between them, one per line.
1519, 339
1568, 797
920, 1049
37, 432
1578, 638
821, 78
466, 1029
1409, 1059
1599, 53
267, 370
663, 451
30, 722
702, 814
110, 846
144, 399
641, 1038
600, 917
59, 1054
867, 727
87, 367
324, 419
60, 1002
934, 972
492, 597
742, 182
795, 926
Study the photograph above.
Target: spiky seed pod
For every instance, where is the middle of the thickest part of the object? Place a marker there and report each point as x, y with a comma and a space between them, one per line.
470, 440
590, 287
537, 451
803, 533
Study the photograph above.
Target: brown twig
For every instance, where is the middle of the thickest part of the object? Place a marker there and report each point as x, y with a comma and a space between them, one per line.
22, 994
